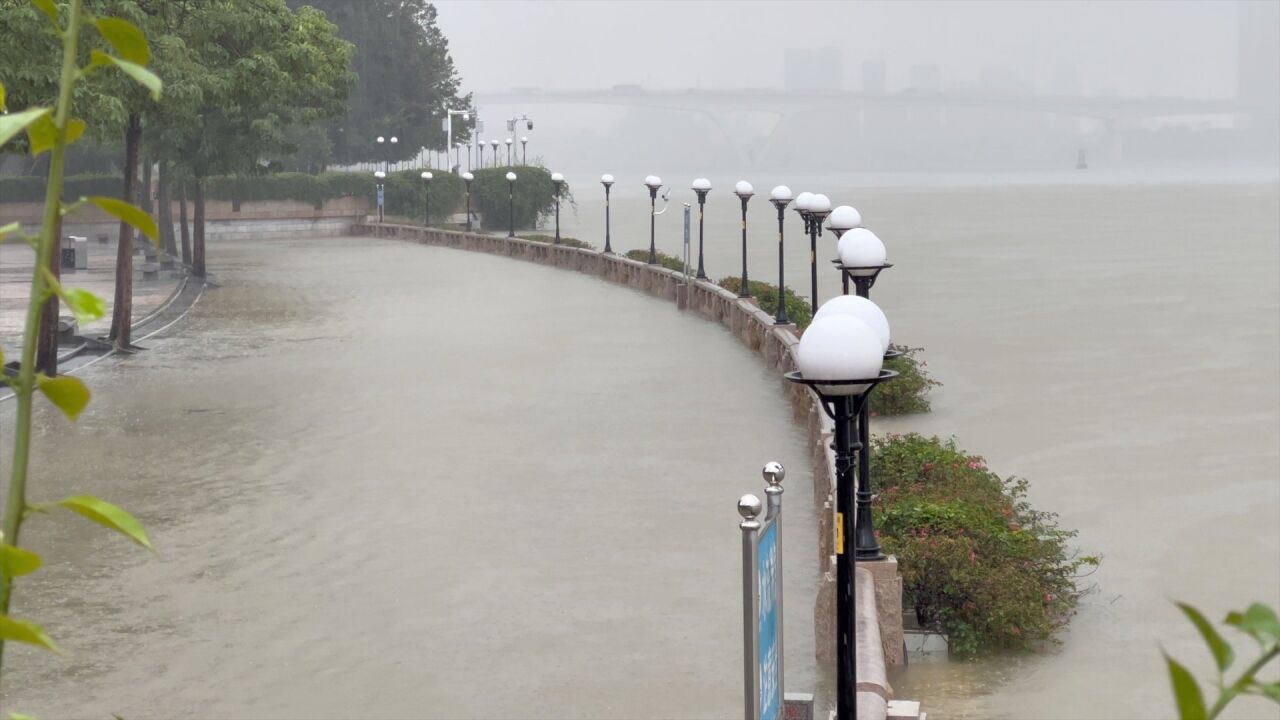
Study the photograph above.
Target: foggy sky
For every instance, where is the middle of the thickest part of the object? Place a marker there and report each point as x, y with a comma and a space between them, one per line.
1181, 48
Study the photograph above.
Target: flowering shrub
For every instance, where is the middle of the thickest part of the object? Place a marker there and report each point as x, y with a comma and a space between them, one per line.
978, 563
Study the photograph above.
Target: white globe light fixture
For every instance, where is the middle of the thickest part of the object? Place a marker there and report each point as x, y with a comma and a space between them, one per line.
838, 349
802, 202
380, 175
511, 177
842, 219
427, 176
862, 253
743, 189
701, 184
468, 176
862, 309
557, 178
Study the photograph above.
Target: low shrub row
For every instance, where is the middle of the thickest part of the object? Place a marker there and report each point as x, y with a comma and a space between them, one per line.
669, 262
978, 563
566, 241
798, 310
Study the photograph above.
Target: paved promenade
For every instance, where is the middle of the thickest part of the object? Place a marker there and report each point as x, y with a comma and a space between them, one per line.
16, 262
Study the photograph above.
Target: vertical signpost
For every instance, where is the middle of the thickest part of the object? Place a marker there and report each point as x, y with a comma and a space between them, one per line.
762, 600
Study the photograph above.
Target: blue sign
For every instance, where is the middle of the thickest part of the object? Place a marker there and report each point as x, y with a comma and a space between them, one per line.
379, 196
768, 662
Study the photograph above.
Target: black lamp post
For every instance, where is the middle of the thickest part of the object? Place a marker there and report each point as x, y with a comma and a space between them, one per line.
524, 150
701, 186
819, 209
426, 181
466, 181
510, 142
494, 145
511, 204
654, 183
862, 258
558, 180
845, 411
607, 181
840, 359
802, 209
781, 198
744, 191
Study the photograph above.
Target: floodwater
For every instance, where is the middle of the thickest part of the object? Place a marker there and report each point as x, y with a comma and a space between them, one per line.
388, 480
1117, 343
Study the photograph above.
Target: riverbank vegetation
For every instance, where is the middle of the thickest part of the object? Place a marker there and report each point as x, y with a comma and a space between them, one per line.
978, 563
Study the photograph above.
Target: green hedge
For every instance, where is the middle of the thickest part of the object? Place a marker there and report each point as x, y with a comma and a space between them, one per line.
978, 563
533, 198
798, 310
909, 392
30, 188
669, 262
566, 241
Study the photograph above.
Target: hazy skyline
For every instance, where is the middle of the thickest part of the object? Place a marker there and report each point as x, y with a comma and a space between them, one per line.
1183, 48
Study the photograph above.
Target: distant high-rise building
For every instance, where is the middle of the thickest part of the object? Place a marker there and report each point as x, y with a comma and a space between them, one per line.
874, 77
1258, 54
819, 70
926, 79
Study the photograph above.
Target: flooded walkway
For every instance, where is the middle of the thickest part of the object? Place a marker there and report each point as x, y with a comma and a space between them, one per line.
388, 480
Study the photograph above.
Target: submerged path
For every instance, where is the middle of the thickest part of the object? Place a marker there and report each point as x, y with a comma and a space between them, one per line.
394, 480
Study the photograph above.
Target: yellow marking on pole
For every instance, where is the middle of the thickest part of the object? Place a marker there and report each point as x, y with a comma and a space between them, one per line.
839, 533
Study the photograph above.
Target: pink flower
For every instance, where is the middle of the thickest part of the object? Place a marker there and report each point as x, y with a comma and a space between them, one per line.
976, 465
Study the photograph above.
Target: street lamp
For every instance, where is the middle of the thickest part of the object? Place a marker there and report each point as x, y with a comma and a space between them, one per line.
654, 183
862, 258
744, 191
701, 186
380, 176
524, 150
558, 180
511, 204
607, 181
466, 180
426, 181
842, 220
802, 209
494, 144
819, 209
840, 358
448, 126
780, 196
509, 143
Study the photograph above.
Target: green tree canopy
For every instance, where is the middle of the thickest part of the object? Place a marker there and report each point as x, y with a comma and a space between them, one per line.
406, 80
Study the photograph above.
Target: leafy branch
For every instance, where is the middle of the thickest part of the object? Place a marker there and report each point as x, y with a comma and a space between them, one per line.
1260, 623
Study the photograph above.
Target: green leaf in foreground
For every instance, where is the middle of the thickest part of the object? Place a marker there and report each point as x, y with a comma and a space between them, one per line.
20, 716
86, 306
16, 561
1186, 690
1259, 622
69, 394
24, 631
107, 515
141, 75
1222, 653
126, 38
131, 214
48, 8
15, 123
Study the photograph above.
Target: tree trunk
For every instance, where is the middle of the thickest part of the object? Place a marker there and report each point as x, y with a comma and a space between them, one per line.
163, 187
197, 255
47, 340
122, 310
186, 229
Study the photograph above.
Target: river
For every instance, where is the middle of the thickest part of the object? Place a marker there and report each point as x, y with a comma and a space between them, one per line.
387, 480
1115, 340
404, 481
